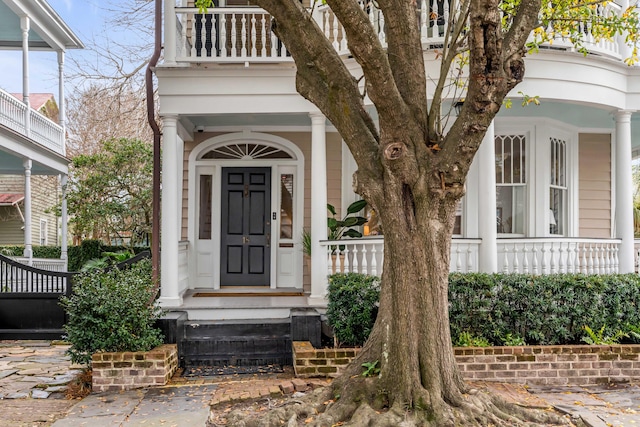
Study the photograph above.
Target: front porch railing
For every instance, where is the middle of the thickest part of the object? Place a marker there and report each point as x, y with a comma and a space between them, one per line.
558, 255
49, 264
529, 256
366, 255
26, 121
244, 34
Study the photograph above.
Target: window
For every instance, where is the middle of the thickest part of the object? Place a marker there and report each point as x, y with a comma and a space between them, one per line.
511, 183
44, 231
286, 206
204, 214
558, 188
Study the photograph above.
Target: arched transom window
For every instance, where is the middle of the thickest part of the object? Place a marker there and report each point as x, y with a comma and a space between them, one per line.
247, 151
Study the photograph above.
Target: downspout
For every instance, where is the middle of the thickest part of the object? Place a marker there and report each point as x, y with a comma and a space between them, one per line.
155, 230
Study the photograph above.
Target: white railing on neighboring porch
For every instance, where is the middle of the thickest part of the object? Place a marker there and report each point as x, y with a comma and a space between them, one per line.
636, 255
558, 255
532, 256
244, 34
49, 264
366, 255
26, 121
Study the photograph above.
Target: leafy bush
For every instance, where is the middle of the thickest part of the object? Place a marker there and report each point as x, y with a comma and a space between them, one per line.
467, 340
110, 311
353, 306
51, 252
550, 309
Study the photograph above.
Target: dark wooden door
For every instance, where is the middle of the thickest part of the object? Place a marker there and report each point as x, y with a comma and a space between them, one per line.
246, 227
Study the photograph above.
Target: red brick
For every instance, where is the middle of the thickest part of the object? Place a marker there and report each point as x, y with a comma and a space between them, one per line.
287, 387
299, 384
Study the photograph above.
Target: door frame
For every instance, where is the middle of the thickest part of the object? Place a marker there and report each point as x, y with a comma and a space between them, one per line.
198, 166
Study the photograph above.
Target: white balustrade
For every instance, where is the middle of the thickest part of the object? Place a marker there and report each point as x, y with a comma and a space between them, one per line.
14, 114
559, 255
49, 264
366, 255
244, 34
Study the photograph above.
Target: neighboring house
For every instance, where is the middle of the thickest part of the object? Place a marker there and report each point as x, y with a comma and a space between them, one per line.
33, 164
248, 163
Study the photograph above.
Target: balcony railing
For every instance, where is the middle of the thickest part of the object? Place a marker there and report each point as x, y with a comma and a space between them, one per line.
26, 121
532, 256
244, 34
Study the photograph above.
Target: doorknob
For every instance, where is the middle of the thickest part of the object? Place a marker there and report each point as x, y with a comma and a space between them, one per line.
245, 240
268, 239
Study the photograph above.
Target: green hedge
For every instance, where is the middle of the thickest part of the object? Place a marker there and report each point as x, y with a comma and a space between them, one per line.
550, 309
77, 255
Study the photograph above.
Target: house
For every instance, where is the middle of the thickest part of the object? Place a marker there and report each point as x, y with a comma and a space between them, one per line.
33, 162
248, 163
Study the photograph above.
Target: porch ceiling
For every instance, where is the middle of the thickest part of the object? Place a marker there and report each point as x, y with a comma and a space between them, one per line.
14, 150
48, 31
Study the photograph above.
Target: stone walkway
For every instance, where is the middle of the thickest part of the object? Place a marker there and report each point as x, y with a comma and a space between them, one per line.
34, 369
33, 378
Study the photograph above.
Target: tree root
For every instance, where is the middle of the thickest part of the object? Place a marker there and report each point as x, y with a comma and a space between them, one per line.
359, 403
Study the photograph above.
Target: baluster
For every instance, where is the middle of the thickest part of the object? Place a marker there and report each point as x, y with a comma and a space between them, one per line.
596, 259
545, 266
222, 45
263, 35
194, 52
327, 25
516, 264
243, 36
331, 260
354, 263
254, 51
234, 37
563, 264
424, 28
381, 35
446, 17
336, 23
469, 258
183, 37
609, 259
583, 259
553, 259
570, 260
603, 260
505, 265
343, 39
364, 268
374, 261
433, 23
535, 258
616, 259
458, 260
590, 259
344, 260
274, 41
525, 261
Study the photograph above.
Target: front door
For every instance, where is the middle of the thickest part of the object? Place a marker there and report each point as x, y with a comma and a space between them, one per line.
245, 255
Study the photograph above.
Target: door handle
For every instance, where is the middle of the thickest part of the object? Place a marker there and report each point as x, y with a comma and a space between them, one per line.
245, 240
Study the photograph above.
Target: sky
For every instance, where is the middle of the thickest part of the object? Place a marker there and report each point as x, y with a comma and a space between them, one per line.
86, 19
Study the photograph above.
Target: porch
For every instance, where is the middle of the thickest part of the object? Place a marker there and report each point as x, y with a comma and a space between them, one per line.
243, 34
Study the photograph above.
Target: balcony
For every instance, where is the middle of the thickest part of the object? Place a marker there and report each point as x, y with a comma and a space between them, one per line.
243, 34
29, 123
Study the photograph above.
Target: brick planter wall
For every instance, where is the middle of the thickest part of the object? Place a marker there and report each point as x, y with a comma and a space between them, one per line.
129, 370
554, 365
309, 362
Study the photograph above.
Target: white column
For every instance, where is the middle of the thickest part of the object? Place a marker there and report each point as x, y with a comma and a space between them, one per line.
28, 252
61, 104
64, 219
318, 209
169, 292
486, 158
624, 191
24, 26
170, 28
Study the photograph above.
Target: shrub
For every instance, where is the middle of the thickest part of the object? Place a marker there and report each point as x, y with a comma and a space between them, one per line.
353, 306
110, 311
